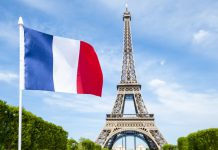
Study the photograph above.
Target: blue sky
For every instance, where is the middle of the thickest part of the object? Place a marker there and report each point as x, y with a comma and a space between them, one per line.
175, 52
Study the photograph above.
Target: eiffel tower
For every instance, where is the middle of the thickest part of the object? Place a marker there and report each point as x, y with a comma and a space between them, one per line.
118, 124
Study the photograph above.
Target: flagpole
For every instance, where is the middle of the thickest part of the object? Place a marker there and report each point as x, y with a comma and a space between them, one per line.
21, 79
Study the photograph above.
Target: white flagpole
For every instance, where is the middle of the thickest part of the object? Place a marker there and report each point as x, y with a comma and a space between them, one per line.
21, 80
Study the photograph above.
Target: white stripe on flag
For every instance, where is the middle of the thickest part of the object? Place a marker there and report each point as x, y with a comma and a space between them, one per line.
65, 64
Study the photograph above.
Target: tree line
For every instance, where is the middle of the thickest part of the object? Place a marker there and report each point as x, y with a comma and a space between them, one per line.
83, 144
37, 133
202, 140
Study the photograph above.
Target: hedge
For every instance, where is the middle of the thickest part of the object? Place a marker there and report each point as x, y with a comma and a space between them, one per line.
36, 133
202, 140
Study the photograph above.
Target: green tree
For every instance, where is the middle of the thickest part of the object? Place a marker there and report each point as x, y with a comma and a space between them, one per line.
72, 144
169, 147
88, 144
36, 133
3, 123
192, 141
204, 140
201, 140
182, 143
8, 126
97, 147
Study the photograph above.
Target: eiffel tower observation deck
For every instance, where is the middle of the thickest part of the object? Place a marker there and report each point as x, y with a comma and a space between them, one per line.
141, 124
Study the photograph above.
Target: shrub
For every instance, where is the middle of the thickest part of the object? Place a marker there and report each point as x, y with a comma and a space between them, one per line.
169, 147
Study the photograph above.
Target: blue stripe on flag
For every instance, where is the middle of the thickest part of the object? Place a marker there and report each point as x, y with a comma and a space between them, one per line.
38, 60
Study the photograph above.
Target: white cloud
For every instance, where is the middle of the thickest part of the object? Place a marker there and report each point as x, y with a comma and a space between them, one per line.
175, 98
168, 21
162, 62
113, 4
200, 36
204, 42
9, 32
111, 66
46, 6
180, 111
157, 83
80, 103
8, 76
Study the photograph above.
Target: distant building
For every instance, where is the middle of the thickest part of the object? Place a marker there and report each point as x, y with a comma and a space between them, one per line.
140, 147
120, 147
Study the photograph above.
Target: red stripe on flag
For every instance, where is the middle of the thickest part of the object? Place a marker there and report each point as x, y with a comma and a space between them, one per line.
89, 74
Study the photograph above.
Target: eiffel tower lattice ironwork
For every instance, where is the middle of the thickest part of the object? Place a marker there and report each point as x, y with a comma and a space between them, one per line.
142, 123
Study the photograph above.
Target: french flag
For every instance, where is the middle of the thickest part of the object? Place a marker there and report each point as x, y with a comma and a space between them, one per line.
59, 64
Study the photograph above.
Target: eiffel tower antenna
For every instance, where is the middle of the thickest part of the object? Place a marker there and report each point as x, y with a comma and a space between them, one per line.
126, 5
141, 124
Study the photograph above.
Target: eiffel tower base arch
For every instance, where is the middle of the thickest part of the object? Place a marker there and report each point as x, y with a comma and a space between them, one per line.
143, 128
130, 132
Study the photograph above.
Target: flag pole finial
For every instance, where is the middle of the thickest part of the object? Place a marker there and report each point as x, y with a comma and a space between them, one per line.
20, 21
